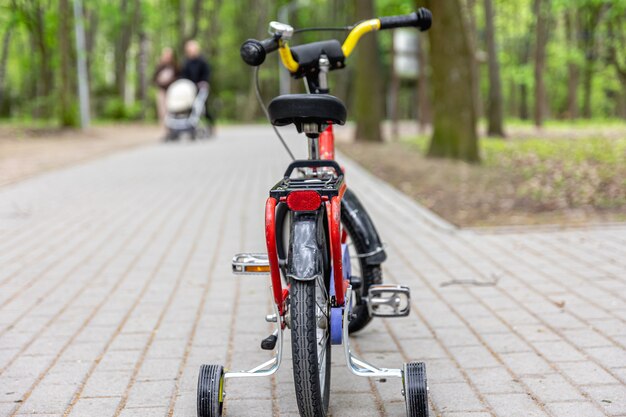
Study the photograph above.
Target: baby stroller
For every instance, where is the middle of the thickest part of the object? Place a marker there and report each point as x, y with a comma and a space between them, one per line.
184, 103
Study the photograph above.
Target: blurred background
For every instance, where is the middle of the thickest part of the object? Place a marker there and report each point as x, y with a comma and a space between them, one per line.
529, 95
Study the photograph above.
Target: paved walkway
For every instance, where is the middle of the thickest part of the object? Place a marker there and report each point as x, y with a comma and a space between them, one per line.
115, 286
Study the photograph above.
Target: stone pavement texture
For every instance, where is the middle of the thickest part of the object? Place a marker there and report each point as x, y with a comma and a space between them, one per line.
115, 286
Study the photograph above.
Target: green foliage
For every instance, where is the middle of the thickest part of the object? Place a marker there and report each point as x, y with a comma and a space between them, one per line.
116, 109
32, 78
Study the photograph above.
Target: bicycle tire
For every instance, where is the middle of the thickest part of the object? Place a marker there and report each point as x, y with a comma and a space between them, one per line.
312, 395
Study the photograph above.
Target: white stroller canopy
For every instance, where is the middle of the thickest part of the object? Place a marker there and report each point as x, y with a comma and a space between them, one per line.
180, 96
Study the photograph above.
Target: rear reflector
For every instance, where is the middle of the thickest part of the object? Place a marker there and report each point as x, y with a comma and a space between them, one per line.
304, 200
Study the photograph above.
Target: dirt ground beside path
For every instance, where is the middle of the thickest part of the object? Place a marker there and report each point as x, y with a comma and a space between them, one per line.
559, 176
26, 152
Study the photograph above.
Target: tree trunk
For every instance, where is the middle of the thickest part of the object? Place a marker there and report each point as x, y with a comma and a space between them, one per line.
470, 16
90, 17
67, 90
524, 113
182, 26
142, 61
453, 81
45, 64
591, 16
495, 103
369, 99
573, 72
6, 43
618, 37
251, 110
197, 11
424, 112
541, 105
121, 47
587, 88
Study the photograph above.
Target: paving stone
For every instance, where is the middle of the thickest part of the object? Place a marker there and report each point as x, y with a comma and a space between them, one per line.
89, 407
514, 405
585, 373
495, 380
574, 409
455, 397
128, 263
611, 397
553, 388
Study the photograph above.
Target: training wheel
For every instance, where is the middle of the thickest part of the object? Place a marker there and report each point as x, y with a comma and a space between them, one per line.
415, 389
210, 391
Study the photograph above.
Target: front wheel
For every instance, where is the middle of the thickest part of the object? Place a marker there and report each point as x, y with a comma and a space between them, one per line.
310, 346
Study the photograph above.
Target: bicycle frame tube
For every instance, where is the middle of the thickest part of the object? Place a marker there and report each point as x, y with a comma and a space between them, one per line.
334, 224
272, 254
327, 144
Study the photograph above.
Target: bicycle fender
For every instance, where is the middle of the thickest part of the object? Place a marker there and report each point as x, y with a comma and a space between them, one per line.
351, 206
305, 257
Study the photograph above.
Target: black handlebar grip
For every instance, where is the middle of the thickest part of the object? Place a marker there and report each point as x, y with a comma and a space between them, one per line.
253, 52
421, 19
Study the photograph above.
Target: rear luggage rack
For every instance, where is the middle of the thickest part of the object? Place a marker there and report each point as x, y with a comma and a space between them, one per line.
327, 185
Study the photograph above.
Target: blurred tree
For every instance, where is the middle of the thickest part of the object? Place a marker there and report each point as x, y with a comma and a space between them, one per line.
38, 20
580, 76
68, 116
4, 58
469, 13
141, 61
454, 134
122, 43
542, 11
617, 55
495, 105
590, 12
573, 68
424, 111
368, 103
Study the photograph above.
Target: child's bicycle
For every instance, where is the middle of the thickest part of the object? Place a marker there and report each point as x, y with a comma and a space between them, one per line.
312, 222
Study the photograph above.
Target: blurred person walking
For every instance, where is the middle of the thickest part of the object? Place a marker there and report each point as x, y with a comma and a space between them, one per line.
165, 74
197, 69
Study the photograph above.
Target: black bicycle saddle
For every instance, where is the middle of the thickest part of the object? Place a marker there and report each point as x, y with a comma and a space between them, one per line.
299, 109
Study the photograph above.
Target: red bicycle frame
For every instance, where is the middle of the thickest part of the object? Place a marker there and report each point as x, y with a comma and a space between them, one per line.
327, 144
333, 210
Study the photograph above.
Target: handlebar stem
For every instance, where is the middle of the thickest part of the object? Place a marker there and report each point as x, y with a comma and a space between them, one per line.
324, 65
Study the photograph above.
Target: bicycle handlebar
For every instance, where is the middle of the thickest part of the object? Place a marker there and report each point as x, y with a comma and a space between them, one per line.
254, 51
421, 19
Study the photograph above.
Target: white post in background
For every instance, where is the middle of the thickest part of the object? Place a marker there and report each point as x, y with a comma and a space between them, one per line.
284, 78
81, 63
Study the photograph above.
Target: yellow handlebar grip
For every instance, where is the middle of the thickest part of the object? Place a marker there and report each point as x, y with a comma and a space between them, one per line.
355, 34
287, 58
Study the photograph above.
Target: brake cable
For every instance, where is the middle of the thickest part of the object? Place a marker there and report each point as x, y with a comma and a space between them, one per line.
267, 115
324, 29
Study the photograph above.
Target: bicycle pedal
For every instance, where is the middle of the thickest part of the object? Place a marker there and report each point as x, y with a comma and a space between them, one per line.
269, 343
251, 264
389, 301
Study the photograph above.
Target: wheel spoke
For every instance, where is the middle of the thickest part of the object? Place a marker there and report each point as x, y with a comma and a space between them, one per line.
322, 344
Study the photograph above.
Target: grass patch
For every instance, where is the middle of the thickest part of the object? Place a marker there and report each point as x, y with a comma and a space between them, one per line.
555, 176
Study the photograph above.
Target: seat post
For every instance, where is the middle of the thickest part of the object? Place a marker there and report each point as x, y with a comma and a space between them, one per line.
312, 131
